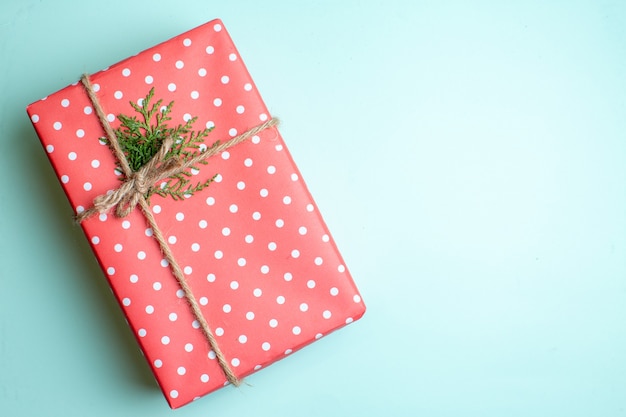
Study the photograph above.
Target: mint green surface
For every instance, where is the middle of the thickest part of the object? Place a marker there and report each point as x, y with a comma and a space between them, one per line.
469, 158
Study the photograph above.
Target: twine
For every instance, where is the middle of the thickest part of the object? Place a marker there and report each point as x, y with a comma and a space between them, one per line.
134, 189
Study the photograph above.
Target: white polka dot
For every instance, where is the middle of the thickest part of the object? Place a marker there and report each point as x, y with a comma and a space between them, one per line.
142, 332
203, 301
125, 72
111, 270
95, 163
165, 263
318, 336
217, 102
273, 323
157, 286
349, 320
172, 240
309, 207
173, 393
194, 95
234, 285
209, 49
173, 316
225, 155
187, 42
233, 208
296, 330
50, 148
280, 299
65, 179
249, 238
180, 216
179, 64
256, 139
271, 246
257, 292
341, 268
118, 247
264, 192
243, 338
210, 201
334, 291
226, 308
217, 27
247, 162
241, 185
263, 117
72, 156
171, 87
241, 261
87, 110
294, 177
181, 370
295, 253
280, 223
356, 298
202, 72
103, 217
204, 378
287, 276
218, 254
219, 331
286, 200
111, 117
118, 95
240, 109
195, 247
232, 57
210, 277
326, 314
304, 307
211, 355
302, 230
95, 240
188, 347
325, 238
250, 315
180, 293
134, 278
35, 118
156, 209
80, 209
203, 224
271, 169
247, 86
158, 363
65, 102
278, 147
225, 79
187, 270
318, 261
232, 132
149, 309
235, 362
148, 80
218, 178
266, 346
156, 57
141, 255
96, 87
265, 269
186, 117
140, 102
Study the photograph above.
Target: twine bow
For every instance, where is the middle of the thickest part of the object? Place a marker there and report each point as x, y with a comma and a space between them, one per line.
135, 188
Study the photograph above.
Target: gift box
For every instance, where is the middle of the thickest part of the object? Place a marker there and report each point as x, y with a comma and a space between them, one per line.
259, 275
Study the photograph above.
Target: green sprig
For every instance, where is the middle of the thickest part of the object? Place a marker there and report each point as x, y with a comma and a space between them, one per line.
141, 136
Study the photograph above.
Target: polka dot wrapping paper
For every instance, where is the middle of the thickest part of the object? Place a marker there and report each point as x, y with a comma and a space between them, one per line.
253, 246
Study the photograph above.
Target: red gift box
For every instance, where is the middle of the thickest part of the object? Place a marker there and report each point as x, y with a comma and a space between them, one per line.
253, 246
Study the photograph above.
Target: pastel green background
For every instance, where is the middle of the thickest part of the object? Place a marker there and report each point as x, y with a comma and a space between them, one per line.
469, 158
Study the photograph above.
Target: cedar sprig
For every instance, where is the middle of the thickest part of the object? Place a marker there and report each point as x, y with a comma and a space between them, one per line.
140, 138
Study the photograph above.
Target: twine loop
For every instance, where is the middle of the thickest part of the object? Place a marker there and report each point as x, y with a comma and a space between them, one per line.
136, 187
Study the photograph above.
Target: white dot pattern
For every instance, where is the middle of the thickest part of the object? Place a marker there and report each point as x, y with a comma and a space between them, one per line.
251, 245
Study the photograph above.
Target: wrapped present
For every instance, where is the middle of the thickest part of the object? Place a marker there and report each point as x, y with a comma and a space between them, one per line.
196, 212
